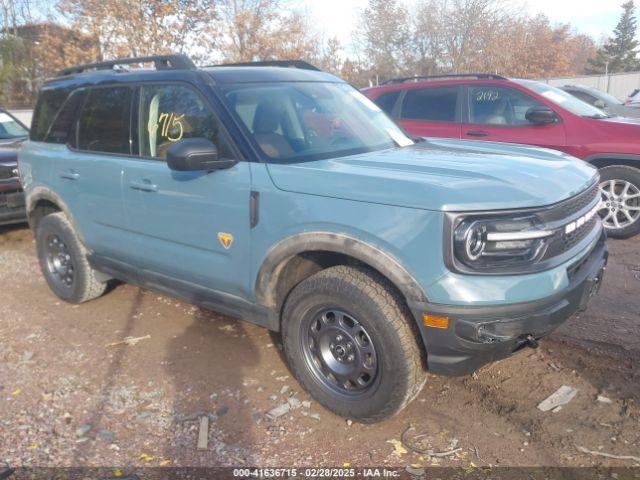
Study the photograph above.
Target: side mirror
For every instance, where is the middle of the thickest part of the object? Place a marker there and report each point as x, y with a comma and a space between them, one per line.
541, 115
196, 154
599, 104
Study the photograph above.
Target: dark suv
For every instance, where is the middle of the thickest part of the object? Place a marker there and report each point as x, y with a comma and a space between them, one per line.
493, 108
12, 134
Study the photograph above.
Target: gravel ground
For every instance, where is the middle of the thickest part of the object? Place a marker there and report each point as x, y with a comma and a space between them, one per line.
69, 398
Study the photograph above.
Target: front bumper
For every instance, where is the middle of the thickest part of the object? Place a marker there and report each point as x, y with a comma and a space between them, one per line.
479, 335
12, 207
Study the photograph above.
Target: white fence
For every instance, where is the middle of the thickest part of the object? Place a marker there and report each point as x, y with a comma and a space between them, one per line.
617, 84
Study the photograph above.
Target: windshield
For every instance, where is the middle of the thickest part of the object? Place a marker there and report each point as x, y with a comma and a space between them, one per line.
310, 121
10, 128
563, 99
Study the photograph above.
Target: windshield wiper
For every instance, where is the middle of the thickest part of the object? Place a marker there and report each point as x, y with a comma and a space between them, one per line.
597, 116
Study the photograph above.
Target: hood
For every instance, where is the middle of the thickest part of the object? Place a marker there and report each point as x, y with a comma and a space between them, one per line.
8, 156
625, 120
443, 174
623, 111
11, 144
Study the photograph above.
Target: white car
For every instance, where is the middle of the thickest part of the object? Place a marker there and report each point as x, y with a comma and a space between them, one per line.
633, 100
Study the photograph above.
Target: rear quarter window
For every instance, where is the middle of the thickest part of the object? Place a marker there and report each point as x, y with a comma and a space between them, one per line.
62, 130
387, 100
47, 108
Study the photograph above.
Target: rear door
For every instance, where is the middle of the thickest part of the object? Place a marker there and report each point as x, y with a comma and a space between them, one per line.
497, 113
431, 111
88, 169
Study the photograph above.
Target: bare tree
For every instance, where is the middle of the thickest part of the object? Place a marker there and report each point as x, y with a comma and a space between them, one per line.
457, 36
384, 37
264, 30
427, 36
144, 27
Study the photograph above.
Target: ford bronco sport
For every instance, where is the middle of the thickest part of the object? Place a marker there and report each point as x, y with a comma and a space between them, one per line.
494, 108
285, 197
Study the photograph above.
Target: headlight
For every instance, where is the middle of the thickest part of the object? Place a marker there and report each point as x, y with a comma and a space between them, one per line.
485, 244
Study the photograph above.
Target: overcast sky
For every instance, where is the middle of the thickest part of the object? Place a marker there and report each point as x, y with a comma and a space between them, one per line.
596, 18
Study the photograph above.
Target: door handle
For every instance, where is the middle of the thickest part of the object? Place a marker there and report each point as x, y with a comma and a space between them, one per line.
70, 175
478, 133
144, 185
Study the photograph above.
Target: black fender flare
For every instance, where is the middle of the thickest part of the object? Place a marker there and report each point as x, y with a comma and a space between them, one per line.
277, 257
44, 193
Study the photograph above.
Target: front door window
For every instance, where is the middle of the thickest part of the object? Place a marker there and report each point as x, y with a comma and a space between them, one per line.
495, 105
170, 113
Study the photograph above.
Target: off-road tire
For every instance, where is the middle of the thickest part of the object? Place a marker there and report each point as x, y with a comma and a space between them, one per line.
85, 285
627, 174
378, 307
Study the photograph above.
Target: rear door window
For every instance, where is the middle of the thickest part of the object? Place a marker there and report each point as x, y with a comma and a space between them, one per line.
104, 124
496, 105
433, 104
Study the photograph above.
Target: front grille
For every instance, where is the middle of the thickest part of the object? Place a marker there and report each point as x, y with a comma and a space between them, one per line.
566, 212
7, 171
570, 207
563, 242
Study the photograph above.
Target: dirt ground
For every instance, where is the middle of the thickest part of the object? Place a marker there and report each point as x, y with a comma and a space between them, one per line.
67, 398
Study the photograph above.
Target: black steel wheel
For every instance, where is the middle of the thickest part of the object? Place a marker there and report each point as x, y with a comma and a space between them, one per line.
63, 261
352, 343
340, 352
59, 261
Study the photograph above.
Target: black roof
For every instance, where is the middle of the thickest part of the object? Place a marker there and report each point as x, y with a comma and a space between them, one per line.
420, 78
179, 67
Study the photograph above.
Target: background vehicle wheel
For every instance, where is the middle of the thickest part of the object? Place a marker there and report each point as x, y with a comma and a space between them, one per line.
620, 212
351, 342
63, 260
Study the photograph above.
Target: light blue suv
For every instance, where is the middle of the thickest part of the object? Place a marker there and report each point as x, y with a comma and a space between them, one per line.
279, 194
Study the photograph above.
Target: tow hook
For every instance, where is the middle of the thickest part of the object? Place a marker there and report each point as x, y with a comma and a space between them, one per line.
529, 341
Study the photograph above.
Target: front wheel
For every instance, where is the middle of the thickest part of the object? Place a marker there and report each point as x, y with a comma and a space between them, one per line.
620, 207
351, 343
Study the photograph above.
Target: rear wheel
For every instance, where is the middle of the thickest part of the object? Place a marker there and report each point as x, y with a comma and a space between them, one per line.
350, 341
63, 260
620, 207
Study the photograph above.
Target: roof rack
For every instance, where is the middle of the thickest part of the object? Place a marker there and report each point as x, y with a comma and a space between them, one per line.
161, 62
301, 64
417, 78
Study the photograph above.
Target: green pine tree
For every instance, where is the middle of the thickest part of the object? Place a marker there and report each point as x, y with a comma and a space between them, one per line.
620, 51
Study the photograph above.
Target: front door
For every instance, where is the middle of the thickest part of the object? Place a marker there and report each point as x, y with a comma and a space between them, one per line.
497, 113
191, 226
